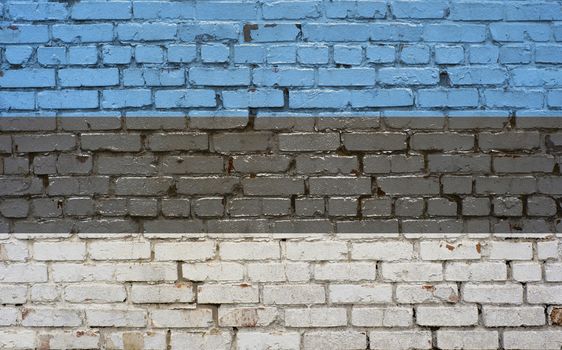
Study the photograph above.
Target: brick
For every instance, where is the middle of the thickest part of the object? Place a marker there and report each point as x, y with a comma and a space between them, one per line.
316, 317
273, 186
456, 316
412, 272
308, 142
502, 316
339, 186
467, 339
227, 294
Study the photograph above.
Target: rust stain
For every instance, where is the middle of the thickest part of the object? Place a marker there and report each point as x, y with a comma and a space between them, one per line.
479, 247
556, 316
429, 287
245, 285
230, 166
133, 341
248, 31
450, 247
24, 313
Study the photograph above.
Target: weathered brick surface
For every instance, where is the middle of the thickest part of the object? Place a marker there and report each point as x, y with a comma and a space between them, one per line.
255, 291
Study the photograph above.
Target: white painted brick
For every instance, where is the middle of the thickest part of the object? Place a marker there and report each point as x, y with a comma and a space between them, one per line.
427, 293
116, 318
385, 251
17, 339
253, 340
13, 294
382, 316
210, 340
233, 316
316, 317
400, 340
313, 251
184, 251
162, 293
185, 318
14, 251
294, 294
81, 339
144, 340
278, 272
360, 294
23, 273
355, 271
49, 317
553, 272
101, 250
452, 316
44, 292
502, 316
95, 293
249, 250
412, 272
467, 339
531, 339
337, 340
511, 250
544, 294
8, 316
493, 293
227, 294
59, 251
443, 250
213, 271
476, 271
548, 250
526, 271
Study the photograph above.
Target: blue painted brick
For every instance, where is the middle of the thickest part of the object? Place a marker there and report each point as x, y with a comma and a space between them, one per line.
101, 10
313, 54
536, 77
548, 54
271, 32
554, 98
253, 98
86, 33
82, 55
346, 77
514, 98
36, 11
557, 30
381, 54
447, 98
117, 54
356, 9
163, 10
23, 34
381, 98
77, 77
146, 31
515, 54
338, 99
396, 32
214, 53
419, 9
51, 55
477, 75
408, 76
209, 31
17, 100
182, 53
22, 78
416, 54
519, 32
226, 10
291, 9
477, 11
153, 77
18, 54
279, 54
335, 32
126, 98
449, 54
484, 54
346, 54
283, 77
219, 77
184, 98
533, 11
455, 33
68, 99
248, 53
149, 54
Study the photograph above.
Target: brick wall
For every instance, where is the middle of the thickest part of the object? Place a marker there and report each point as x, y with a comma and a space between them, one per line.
329, 174
193, 57
216, 291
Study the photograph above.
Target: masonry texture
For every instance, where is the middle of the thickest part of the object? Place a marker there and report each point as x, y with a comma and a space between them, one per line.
220, 291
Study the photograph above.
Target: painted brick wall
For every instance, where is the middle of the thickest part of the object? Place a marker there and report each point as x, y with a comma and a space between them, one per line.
193, 57
391, 291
